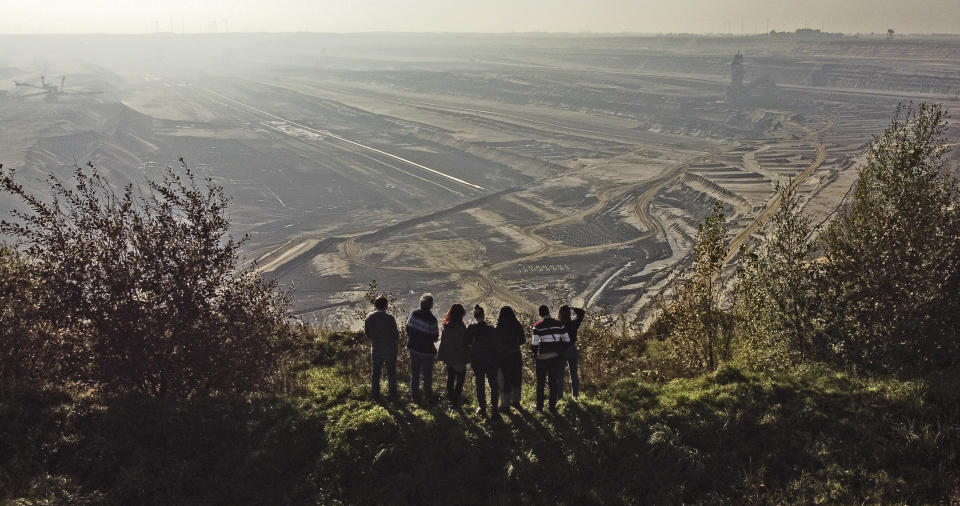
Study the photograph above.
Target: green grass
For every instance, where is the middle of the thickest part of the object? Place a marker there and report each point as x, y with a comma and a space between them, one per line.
813, 436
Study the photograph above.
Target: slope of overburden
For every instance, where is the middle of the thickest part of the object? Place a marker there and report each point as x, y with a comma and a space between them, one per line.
816, 435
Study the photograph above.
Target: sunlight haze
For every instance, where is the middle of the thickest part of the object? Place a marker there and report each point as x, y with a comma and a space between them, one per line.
644, 16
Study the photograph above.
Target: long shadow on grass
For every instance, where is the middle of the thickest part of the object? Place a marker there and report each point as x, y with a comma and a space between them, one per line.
215, 450
432, 455
725, 438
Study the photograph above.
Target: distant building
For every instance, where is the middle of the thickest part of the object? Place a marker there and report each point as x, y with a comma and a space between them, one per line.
815, 33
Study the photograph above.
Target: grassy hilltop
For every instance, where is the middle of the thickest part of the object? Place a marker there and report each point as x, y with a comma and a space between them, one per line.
815, 435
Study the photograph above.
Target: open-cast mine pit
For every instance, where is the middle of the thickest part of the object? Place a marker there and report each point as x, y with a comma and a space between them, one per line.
497, 170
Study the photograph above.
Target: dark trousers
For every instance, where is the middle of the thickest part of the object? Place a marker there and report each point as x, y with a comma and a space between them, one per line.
512, 371
381, 360
455, 383
487, 375
571, 358
421, 363
552, 369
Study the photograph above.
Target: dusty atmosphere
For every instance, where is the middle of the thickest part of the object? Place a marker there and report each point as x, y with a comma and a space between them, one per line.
515, 169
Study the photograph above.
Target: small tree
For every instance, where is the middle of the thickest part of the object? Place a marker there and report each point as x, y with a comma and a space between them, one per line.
395, 305
892, 270
695, 325
147, 284
776, 301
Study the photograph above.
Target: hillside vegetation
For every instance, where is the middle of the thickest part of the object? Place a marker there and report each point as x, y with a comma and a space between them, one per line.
811, 436
141, 362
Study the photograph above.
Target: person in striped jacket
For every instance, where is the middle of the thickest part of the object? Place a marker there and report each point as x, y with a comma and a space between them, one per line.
549, 344
423, 332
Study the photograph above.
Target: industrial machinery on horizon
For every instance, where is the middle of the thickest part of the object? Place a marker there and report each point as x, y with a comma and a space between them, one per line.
740, 90
50, 91
736, 76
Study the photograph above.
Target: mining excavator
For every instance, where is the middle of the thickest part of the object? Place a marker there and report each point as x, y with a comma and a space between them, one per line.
50, 90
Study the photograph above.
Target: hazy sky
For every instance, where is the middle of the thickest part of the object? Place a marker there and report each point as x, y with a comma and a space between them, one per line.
651, 16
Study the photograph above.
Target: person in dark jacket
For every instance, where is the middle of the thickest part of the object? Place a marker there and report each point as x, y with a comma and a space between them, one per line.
549, 343
454, 351
422, 334
571, 357
510, 339
482, 340
380, 327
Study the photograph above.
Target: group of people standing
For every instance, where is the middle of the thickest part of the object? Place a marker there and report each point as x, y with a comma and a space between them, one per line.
493, 352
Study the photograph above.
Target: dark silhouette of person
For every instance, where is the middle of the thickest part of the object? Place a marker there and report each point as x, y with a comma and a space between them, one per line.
422, 334
454, 351
572, 356
549, 342
510, 339
380, 327
482, 340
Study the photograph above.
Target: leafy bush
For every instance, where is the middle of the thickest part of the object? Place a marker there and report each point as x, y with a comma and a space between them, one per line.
609, 348
28, 346
892, 271
143, 288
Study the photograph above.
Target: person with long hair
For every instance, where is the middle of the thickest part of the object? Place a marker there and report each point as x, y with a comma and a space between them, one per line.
510, 339
454, 351
482, 340
571, 357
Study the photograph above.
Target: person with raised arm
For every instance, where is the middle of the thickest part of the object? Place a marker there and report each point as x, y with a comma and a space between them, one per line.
572, 356
549, 342
422, 334
454, 351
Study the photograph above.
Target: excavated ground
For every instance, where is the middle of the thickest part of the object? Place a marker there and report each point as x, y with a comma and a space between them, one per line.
495, 169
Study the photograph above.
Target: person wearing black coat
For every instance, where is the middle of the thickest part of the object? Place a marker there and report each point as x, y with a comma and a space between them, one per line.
423, 332
482, 340
571, 357
510, 339
380, 327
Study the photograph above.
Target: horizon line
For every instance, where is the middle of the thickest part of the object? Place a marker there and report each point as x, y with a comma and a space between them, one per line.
505, 33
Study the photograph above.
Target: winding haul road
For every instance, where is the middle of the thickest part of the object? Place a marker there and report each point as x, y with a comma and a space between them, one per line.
813, 136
